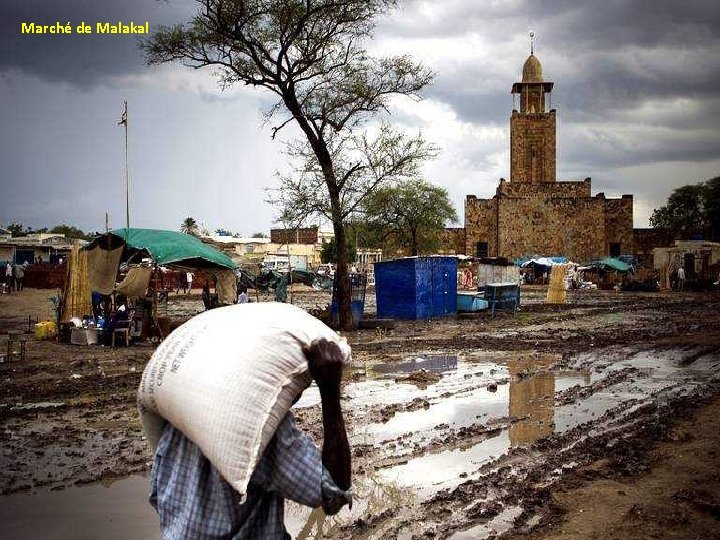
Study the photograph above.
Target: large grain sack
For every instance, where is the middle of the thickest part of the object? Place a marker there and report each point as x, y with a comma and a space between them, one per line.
227, 377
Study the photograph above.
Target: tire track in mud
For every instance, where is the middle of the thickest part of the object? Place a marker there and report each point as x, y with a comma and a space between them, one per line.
555, 333
522, 479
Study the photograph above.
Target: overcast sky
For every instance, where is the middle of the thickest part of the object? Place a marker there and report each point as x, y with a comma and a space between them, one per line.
637, 90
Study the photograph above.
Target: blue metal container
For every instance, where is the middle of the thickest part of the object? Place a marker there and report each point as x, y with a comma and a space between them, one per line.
468, 301
416, 287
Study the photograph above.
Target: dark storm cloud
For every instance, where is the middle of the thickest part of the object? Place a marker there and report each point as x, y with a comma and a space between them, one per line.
616, 64
80, 59
618, 23
566, 22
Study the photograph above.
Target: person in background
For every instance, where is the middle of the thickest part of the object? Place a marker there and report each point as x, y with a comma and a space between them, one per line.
181, 283
117, 319
96, 299
9, 277
6, 279
189, 279
681, 278
281, 288
243, 296
205, 296
19, 276
193, 500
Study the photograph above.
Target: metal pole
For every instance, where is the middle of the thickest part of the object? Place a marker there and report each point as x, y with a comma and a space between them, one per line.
127, 175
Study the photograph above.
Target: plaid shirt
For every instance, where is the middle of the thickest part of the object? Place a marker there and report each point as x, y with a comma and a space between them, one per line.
195, 502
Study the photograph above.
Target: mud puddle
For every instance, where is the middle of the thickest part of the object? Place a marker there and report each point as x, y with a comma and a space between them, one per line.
470, 420
115, 510
479, 419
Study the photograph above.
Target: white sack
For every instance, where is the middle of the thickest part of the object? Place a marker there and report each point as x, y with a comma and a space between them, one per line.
226, 379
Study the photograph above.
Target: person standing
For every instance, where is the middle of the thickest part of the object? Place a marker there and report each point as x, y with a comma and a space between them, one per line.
9, 277
181, 283
189, 279
281, 288
19, 276
205, 296
681, 278
242, 297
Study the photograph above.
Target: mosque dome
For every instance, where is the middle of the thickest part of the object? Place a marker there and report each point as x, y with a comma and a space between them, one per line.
532, 70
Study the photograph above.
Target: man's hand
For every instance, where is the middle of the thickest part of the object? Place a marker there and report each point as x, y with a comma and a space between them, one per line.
325, 361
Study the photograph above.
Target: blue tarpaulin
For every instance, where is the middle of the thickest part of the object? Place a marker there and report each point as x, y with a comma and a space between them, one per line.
416, 287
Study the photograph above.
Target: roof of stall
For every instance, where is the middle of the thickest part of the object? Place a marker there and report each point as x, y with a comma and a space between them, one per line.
544, 261
612, 264
166, 247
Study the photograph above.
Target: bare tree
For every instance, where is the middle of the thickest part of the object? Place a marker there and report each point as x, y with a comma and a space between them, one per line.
311, 55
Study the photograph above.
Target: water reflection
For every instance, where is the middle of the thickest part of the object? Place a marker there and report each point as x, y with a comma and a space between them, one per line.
432, 472
109, 510
373, 494
435, 363
532, 398
532, 395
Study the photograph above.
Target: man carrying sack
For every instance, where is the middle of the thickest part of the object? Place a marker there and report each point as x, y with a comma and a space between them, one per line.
194, 501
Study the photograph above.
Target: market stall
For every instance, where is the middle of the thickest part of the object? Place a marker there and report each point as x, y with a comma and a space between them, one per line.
140, 264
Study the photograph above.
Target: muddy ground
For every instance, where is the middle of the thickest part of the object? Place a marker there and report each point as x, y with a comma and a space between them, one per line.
594, 419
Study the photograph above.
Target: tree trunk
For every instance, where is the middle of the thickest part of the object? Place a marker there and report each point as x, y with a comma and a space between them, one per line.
320, 149
414, 244
342, 277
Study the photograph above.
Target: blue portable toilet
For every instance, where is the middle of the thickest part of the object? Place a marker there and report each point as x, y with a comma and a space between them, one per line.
416, 287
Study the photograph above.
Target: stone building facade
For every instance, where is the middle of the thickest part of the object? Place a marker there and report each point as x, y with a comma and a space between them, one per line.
532, 213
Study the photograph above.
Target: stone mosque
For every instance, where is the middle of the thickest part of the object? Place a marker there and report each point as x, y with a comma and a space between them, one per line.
532, 213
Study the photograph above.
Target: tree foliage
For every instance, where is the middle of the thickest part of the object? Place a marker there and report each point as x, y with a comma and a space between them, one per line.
691, 210
328, 252
70, 232
16, 229
412, 215
712, 207
362, 163
189, 226
310, 54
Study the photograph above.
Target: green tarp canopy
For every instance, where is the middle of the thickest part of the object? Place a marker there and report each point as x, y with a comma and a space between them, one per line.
615, 265
166, 247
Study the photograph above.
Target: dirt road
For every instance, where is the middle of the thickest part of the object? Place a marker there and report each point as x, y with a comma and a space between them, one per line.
586, 420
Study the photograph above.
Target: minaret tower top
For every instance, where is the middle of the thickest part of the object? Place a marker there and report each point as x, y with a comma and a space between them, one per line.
532, 125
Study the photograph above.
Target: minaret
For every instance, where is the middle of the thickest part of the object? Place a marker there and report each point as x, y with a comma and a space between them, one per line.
532, 129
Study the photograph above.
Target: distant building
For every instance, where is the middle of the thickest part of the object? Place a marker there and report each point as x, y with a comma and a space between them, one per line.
366, 257
700, 259
239, 245
532, 213
307, 235
45, 247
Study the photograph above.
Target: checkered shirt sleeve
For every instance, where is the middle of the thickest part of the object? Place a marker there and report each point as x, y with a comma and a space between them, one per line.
292, 467
193, 501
